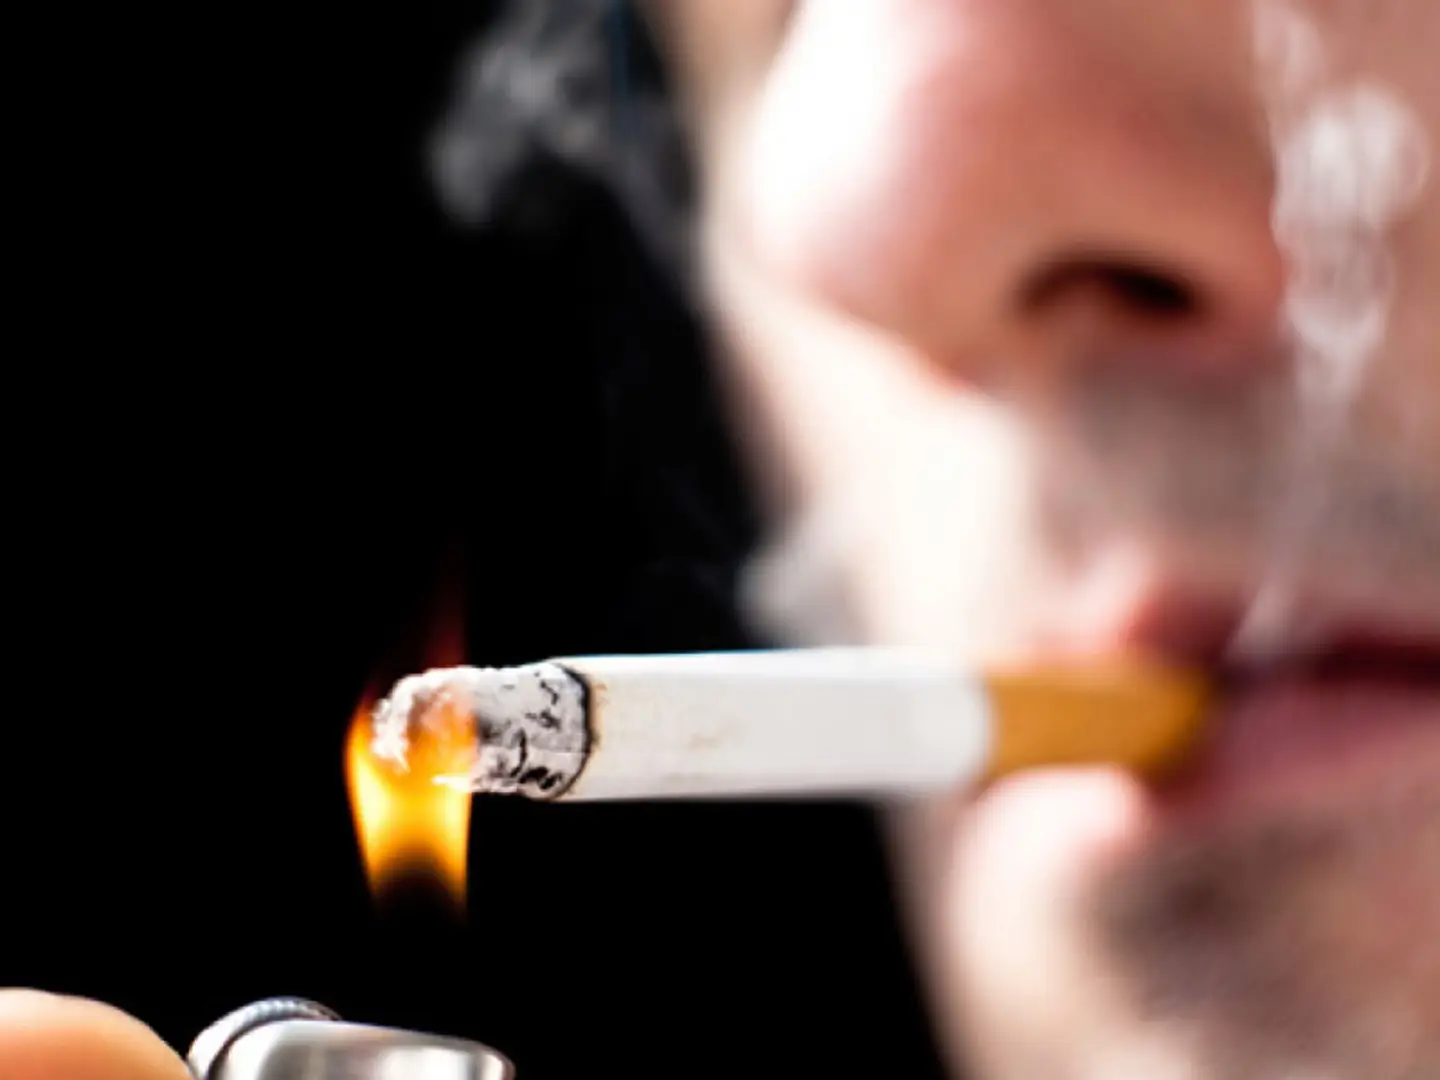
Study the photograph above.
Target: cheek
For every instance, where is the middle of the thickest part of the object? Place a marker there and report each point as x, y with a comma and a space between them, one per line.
943, 545
922, 493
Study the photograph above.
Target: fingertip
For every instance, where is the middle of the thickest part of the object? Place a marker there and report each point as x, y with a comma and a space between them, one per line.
45, 1036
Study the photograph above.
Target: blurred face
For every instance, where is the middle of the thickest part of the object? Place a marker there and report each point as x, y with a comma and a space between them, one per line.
1098, 326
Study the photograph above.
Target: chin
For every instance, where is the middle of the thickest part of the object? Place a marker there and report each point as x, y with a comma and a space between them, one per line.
1290, 933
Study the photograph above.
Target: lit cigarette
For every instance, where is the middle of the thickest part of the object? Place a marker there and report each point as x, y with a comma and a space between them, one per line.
816, 722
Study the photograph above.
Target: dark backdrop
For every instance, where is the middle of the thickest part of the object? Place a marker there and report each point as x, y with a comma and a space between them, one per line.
236, 509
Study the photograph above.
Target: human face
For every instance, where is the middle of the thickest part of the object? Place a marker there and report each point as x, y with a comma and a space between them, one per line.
1097, 326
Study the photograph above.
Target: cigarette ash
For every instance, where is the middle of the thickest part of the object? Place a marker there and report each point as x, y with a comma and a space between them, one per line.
529, 726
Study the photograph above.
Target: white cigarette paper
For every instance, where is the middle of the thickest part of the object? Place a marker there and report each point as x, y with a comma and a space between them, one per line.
807, 722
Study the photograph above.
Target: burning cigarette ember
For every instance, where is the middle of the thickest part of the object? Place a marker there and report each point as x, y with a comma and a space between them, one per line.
819, 722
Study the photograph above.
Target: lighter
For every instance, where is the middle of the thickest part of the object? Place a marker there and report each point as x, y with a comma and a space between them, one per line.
294, 1039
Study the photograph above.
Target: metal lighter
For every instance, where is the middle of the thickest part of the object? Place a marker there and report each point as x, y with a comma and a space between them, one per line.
295, 1039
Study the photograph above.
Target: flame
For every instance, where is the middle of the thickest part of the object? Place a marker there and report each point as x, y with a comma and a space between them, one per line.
407, 825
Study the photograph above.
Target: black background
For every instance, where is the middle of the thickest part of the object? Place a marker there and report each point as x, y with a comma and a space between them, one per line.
240, 510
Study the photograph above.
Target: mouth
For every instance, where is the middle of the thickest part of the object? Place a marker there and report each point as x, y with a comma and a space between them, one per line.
1371, 657
1355, 700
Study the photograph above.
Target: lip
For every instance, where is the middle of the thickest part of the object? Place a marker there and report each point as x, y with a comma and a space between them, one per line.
1298, 737
1355, 702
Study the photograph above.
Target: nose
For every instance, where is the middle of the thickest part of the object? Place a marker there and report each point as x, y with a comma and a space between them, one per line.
997, 181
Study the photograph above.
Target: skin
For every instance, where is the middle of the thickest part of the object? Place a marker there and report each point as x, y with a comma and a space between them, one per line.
964, 448
48, 1037
934, 233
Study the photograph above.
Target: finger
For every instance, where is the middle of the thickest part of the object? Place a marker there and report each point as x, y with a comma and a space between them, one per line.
48, 1037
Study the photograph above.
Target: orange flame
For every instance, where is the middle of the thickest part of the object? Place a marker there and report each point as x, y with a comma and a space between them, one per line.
407, 825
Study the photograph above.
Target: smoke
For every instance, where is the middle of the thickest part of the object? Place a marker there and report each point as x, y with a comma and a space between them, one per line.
1352, 159
573, 83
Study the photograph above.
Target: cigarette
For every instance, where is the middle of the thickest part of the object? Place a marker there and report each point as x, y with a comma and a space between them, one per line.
785, 723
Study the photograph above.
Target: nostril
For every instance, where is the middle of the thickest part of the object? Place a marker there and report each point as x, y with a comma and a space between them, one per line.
1150, 292
1135, 288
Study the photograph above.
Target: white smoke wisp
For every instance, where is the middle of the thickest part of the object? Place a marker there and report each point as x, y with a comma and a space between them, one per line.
1352, 160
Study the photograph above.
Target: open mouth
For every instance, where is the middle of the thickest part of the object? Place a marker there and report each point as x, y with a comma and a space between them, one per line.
1357, 701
